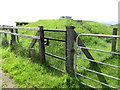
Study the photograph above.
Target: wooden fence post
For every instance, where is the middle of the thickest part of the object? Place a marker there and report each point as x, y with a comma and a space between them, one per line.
41, 45
70, 49
5, 35
17, 38
31, 52
13, 39
114, 40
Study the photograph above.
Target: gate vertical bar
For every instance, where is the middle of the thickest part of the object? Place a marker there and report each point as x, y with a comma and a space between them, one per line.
114, 40
70, 50
41, 45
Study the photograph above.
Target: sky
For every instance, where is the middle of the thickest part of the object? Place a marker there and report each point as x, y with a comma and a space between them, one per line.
34, 10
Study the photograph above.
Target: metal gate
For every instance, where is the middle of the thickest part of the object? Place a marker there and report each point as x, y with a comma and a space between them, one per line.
79, 56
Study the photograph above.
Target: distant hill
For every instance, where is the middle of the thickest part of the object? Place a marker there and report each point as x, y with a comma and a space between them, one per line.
109, 23
114, 26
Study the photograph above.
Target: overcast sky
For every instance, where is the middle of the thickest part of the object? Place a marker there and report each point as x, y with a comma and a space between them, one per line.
33, 10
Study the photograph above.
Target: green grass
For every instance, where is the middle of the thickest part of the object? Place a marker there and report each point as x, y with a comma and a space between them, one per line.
30, 73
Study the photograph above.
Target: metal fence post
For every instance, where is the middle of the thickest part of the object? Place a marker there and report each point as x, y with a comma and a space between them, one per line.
114, 40
70, 50
41, 45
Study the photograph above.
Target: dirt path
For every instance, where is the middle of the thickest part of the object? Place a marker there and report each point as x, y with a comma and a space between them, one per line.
6, 81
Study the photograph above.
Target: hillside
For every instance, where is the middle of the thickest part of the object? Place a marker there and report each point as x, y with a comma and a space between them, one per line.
92, 26
30, 73
114, 26
89, 27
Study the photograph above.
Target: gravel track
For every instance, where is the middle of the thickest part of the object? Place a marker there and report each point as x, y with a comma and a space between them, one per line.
6, 81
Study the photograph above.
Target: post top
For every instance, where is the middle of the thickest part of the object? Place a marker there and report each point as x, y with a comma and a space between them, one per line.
114, 28
70, 27
40, 26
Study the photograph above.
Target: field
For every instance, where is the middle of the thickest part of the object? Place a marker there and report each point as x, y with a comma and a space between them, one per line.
29, 73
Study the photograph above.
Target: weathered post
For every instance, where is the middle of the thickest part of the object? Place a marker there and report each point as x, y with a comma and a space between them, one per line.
114, 40
5, 35
31, 53
41, 45
16, 31
70, 50
4, 29
13, 39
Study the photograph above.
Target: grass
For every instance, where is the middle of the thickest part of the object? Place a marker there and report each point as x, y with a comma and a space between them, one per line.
30, 73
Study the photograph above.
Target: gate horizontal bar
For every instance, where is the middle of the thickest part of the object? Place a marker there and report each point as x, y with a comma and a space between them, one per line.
55, 39
100, 35
100, 62
88, 85
56, 68
55, 56
95, 80
99, 50
55, 30
99, 73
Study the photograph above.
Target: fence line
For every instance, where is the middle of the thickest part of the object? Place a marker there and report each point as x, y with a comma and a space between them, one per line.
71, 36
40, 36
